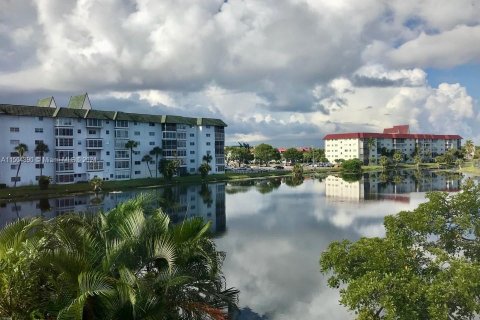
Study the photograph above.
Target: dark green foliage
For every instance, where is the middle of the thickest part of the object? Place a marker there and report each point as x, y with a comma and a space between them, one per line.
204, 169
426, 267
293, 155
352, 166
264, 153
168, 168
44, 182
129, 263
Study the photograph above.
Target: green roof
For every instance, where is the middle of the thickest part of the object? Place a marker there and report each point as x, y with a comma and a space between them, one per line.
45, 102
34, 111
71, 113
19, 110
76, 102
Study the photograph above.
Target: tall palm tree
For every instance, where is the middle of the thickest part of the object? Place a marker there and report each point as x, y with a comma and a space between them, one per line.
469, 148
21, 149
207, 158
147, 158
40, 150
131, 145
157, 151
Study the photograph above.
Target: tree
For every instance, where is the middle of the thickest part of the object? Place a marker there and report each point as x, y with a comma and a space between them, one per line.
131, 145
297, 171
21, 149
204, 169
292, 155
459, 163
352, 166
264, 153
397, 158
157, 151
426, 266
384, 161
147, 158
207, 158
96, 184
370, 142
417, 159
240, 154
40, 150
469, 149
129, 263
168, 168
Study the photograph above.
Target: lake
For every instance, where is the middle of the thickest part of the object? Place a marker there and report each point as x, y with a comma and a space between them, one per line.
274, 230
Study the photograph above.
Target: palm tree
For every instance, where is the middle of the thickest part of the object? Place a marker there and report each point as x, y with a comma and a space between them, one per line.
384, 161
397, 158
207, 158
21, 149
204, 169
370, 143
131, 263
96, 184
40, 150
147, 158
470, 149
157, 151
131, 145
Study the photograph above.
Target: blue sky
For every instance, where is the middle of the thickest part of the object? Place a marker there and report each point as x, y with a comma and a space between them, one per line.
284, 72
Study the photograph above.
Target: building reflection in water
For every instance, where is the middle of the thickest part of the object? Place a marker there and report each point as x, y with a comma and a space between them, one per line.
395, 186
179, 202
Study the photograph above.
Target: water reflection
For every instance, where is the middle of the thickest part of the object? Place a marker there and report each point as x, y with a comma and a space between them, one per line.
180, 202
395, 185
275, 239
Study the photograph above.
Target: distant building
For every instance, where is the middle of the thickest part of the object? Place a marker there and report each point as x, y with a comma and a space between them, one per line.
86, 143
366, 146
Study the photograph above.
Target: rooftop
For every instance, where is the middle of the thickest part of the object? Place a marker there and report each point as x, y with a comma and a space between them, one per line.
396, 132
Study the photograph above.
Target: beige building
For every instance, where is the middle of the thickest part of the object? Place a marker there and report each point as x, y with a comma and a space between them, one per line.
370, 146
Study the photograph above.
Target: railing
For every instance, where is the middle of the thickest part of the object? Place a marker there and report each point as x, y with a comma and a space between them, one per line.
94, 144
95, 166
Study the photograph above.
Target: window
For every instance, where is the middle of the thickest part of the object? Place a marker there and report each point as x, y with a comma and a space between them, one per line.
137, 133
122, 164
208, 143
40, 118
208, 135
192, 169
15, 142
192, 134
39, 166
137, 163
79, 153
64, 178
151, 124
122, 154
62, 154
181, 143
64, 166
192, 152
192, 160
79, 164
122, 175
152, 143
108, 153
108, 164
79, 131
121, 124
79, 143
64, 132
94, 143
13, 179
192, 143
151, 134
92, 131
137, 172
13, 167
38, 130
135, 123
94, 123
107, 132
208, 127
92, 153
38, 142
121, 134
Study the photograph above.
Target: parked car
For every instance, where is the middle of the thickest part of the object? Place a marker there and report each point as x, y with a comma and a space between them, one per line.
279, 167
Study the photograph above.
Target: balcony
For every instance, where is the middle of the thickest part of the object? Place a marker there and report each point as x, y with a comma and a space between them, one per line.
94, 123
94, 144
95, 166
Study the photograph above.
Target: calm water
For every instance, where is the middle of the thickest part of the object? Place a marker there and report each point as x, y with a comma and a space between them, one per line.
273, 231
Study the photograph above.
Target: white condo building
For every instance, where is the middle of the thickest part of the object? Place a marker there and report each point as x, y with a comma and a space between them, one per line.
85, 143
366, 146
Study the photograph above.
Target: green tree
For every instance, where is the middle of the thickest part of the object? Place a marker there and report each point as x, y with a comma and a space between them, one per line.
207, 158
168, 168
352, 166
204, 169
297, 171
426, 266
370, 143
147, 158
417, 159
469, 149
96, 183
40, 150
384, 161
459, 163
22, 150
397, 158
131, 145
293, 155
157, 152
264, 153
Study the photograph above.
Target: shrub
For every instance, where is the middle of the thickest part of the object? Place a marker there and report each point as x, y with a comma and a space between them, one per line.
3, 186
44, 182
352, 165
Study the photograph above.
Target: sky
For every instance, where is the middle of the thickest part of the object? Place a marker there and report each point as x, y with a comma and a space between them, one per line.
284, 72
